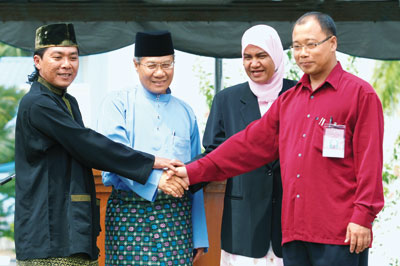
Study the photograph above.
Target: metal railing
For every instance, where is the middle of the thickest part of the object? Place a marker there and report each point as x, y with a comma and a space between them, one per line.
6, 179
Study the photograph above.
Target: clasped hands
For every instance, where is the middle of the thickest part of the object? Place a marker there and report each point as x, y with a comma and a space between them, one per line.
174, 179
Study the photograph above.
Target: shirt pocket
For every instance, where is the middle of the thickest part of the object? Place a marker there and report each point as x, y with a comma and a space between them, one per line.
81, 210
318, 138
181, 149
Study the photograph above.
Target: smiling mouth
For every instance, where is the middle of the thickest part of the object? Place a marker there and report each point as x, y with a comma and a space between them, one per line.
65, 75
159, 82
257, 72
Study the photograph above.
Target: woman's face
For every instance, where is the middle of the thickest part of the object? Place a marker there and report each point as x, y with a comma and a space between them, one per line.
258, 64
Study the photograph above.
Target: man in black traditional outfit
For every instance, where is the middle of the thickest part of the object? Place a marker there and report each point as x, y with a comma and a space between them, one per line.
56, 211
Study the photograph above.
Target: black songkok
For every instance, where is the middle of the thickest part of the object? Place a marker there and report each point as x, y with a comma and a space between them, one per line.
61, 34
155, 43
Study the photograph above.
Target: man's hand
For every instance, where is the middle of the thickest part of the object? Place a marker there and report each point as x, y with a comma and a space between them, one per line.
163, 163
199, 253
182, 173
358, 236
172, 185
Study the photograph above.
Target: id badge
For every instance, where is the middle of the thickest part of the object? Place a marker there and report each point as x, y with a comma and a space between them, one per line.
333, 141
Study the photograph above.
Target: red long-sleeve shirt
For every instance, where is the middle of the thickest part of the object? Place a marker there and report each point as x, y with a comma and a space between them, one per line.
320, 195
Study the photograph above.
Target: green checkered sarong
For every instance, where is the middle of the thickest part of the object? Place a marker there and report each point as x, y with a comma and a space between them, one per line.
140, 232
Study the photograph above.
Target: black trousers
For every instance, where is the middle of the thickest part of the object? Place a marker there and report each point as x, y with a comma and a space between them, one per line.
299, 253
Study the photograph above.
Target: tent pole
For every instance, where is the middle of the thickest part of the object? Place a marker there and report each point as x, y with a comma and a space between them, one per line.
218, 75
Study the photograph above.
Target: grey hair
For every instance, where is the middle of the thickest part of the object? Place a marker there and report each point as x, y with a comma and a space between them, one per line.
137, 59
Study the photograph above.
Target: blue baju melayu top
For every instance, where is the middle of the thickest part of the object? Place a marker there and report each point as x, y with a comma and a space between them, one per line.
159, 124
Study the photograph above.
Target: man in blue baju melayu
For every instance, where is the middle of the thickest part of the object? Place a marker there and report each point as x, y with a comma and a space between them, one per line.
146, 224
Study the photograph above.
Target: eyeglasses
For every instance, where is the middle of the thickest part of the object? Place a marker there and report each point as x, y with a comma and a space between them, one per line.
308, 46
163, 65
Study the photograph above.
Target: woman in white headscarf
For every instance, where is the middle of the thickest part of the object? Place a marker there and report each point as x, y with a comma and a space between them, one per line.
251, 230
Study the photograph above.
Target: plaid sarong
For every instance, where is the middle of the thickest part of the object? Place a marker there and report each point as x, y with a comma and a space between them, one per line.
141, 233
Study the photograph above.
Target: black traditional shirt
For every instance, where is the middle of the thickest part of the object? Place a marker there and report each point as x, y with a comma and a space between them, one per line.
56, 214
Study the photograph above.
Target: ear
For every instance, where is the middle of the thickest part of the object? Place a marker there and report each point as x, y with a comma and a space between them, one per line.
333, 42
136, 64
37, 60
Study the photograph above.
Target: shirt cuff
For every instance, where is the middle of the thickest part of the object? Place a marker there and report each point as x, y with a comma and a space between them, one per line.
149, 190
193, 173
362, 218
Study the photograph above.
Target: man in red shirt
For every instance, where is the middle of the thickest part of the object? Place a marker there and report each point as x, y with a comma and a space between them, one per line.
328, 133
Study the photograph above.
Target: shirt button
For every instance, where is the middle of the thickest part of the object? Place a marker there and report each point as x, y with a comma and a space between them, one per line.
298, 196
304, 135
308, 116
298, 176
158, 128
299, 154
317, 118
312, 97
158, 117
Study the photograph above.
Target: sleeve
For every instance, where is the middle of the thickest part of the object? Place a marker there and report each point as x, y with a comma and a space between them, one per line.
87, 146
200, 235
368, 160
149, 190
214, 134
113, 123
249, 149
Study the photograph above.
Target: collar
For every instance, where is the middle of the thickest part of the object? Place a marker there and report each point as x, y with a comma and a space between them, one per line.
332, 80
154, 96
51, 87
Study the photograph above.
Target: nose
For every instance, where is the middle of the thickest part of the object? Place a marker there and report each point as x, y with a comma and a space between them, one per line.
255, 62
304, 51
159, 71
66, 63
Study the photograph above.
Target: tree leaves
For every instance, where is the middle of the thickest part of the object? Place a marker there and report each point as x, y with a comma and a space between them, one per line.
9, 99
6, 50
386, 81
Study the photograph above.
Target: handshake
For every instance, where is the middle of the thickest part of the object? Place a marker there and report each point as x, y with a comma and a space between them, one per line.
174, 179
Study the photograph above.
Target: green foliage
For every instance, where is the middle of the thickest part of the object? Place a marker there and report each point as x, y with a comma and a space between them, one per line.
387, 84
7, 192
294, 71
395, 262
386, 81
351, 65
205, 83
7, 50
391, 168
9, 98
